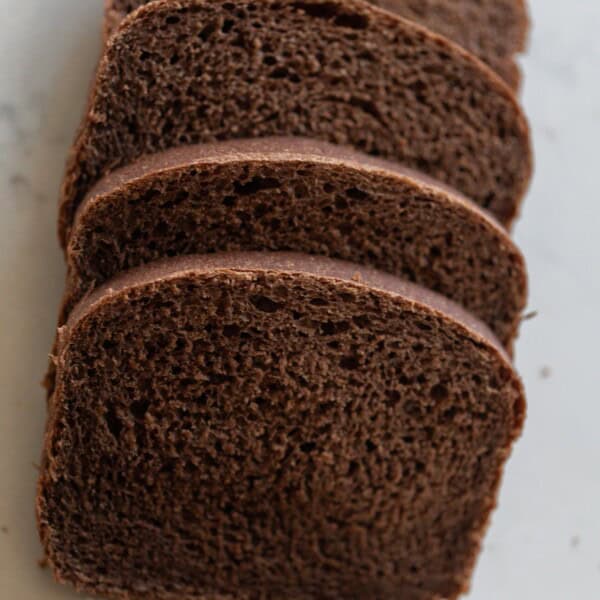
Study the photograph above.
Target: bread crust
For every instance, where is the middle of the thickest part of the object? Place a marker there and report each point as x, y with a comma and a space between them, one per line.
304, 195
494, 30
484, 150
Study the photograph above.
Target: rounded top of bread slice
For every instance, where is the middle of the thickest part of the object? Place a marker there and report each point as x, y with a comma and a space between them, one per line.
494, 30
285, 265
295, 149
299, 195
196, 71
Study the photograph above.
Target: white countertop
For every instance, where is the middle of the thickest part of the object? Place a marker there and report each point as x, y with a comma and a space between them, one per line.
545, 539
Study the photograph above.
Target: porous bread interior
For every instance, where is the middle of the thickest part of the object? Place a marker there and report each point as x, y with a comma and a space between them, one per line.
339, 210
272, 435
186, 72
494, 30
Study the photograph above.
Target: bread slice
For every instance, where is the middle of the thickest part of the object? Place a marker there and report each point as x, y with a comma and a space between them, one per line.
190, 71
273, 426
494, 30
302, 195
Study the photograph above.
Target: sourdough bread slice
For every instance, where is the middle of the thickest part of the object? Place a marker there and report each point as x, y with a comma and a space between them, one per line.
301, 195
494, 30
190, 71
273, 426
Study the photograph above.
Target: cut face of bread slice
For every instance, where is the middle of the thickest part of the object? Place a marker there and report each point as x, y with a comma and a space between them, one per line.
494, 30
274, 426
191, 71
300, 195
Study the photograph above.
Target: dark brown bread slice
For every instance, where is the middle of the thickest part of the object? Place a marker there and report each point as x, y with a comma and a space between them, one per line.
188, 71
273, 426
301, 195
494, 30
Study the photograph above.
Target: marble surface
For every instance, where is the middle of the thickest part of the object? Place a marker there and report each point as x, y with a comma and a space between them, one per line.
545, 538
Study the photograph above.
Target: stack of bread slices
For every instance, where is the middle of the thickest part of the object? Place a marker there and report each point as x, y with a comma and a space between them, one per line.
283, 361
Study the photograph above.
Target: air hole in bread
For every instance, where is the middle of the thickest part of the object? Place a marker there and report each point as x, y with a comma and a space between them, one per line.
350, 363
231, 330
278, 73
113, 423
307, 447
319, 301
227, 25
439, 392
330, 10
356, 194
352, 21
264, 304
208, 30
139, 409
256, 184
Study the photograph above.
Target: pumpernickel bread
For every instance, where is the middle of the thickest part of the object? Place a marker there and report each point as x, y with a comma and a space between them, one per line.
273, 426
189, 71
301, 195
494, 30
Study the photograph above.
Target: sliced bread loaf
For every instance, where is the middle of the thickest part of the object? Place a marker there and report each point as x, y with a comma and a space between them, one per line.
273, 426
302, 195
494, 30
189, 71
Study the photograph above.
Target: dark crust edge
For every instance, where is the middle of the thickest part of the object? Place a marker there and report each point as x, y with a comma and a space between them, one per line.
318, 267
285, 149
508, 69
